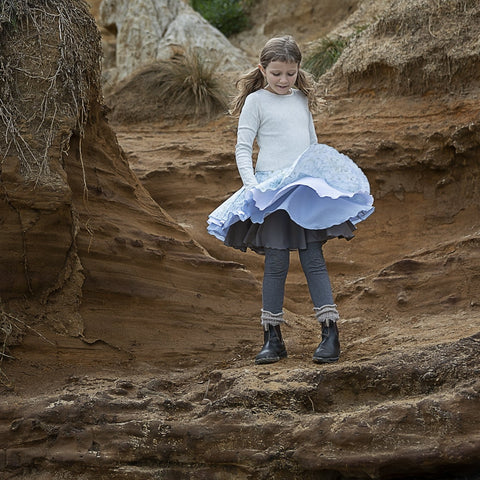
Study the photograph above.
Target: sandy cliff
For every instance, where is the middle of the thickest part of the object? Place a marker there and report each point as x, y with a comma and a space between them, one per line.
81, 235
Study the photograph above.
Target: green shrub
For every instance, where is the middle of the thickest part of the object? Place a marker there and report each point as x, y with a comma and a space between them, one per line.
327, 51
229, 16
324, 55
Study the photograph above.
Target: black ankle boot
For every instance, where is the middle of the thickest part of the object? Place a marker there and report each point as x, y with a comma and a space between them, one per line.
329, 349
273, 348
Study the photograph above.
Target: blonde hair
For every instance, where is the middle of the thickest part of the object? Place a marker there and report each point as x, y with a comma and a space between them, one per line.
277, 49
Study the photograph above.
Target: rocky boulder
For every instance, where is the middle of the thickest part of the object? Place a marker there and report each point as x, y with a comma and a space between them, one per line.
146, 31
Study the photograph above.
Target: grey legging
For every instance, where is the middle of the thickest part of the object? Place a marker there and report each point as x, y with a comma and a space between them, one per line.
277, 263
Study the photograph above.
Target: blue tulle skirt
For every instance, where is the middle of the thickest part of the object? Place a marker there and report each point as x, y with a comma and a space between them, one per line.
323, 195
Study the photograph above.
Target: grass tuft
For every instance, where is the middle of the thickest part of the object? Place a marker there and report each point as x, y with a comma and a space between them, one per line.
324, 55
326, 52
188, 85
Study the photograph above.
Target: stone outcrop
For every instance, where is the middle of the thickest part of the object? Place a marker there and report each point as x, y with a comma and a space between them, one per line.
413, 48
403, 413
146, 31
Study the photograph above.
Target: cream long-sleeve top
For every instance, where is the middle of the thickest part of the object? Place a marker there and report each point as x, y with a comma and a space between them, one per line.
281, 124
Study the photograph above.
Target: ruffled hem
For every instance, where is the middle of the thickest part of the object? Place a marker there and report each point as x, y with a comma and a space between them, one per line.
279, 231
323, 189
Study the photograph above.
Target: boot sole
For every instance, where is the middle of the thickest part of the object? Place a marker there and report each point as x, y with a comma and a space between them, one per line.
325, 360
264, 361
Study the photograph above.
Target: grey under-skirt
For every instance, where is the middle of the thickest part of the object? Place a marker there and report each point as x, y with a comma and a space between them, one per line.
279, 231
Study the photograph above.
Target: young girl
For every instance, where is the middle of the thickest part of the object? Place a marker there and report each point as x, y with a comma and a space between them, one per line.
300, 195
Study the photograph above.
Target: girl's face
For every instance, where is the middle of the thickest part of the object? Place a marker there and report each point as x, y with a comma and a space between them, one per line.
280, 76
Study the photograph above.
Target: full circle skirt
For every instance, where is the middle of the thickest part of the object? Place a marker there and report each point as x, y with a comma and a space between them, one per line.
323, 195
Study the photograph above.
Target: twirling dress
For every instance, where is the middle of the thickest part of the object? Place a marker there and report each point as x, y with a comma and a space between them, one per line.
323, 194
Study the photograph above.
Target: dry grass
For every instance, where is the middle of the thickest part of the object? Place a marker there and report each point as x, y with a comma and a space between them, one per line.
10, 327
183, 87
6, 330
189, 84
45, 98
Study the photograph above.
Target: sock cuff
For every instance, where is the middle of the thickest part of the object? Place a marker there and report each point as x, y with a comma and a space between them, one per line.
269, 318
326, 314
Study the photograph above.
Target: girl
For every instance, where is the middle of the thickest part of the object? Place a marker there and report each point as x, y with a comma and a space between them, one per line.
300, 195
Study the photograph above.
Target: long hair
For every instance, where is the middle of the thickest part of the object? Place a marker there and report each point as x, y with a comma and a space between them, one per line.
281, 49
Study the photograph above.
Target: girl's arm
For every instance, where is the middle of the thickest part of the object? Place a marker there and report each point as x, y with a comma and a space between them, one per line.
313, 133
248, 125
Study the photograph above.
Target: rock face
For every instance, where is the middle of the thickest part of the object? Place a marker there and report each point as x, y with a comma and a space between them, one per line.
306, 20
43, 103
419, 142
413, 49
154, 324
78, 229
146, 31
